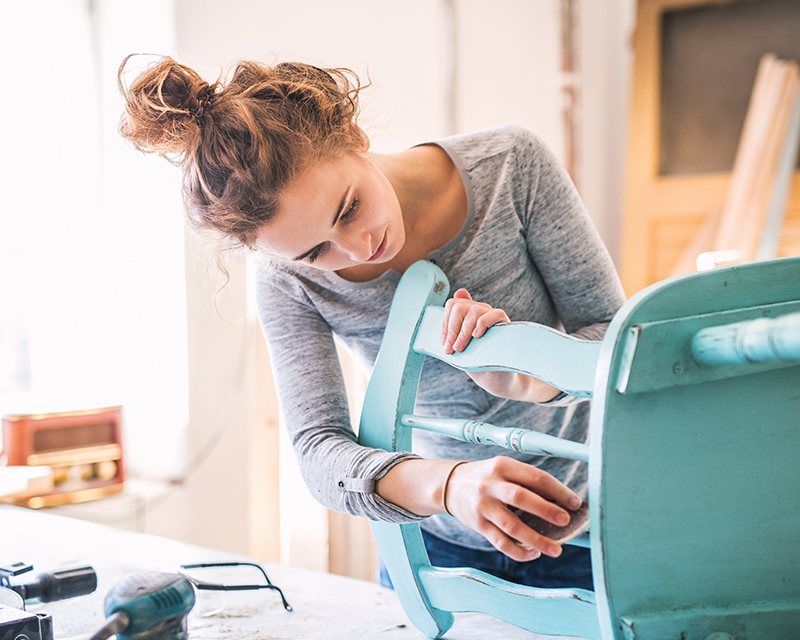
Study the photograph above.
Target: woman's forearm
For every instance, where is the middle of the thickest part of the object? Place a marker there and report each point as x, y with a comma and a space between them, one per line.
416, 485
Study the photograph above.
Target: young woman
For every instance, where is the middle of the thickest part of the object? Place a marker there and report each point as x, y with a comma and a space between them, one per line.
274, 161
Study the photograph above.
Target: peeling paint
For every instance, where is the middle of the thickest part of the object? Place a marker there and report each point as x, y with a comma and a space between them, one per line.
575, 596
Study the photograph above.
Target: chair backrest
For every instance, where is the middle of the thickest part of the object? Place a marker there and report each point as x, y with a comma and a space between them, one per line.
693, 471
430, 595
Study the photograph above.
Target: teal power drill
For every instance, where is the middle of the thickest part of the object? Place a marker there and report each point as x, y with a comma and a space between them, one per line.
148, 606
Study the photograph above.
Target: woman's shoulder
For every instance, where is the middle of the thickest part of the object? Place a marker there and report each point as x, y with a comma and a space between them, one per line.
275, 277
306, 284
478, 145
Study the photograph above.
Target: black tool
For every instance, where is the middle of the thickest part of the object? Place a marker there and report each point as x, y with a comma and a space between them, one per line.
53, 585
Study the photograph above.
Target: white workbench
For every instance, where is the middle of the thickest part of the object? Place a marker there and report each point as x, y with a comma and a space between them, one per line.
326, 606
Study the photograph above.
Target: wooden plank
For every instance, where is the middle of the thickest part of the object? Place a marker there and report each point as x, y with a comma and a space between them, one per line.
768, 245
752, 226
748, 154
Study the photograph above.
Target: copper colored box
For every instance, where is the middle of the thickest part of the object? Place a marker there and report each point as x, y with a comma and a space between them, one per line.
84, 448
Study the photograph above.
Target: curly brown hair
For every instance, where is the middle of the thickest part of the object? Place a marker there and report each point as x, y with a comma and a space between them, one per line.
240, 142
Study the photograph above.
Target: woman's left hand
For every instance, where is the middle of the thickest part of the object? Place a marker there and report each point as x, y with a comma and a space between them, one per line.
464, 319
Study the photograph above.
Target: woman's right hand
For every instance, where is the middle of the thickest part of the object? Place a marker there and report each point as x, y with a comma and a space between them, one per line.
483, 495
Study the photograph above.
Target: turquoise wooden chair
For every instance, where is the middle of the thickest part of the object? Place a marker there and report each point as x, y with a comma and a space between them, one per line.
694, 475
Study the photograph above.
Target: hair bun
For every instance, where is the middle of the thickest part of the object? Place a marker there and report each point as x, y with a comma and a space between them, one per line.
203, 98
240, 141
164, 106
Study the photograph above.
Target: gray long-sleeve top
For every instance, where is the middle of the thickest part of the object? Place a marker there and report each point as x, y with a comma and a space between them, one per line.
527, 247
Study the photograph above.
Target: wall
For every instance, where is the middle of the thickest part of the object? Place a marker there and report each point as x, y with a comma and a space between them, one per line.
606, 32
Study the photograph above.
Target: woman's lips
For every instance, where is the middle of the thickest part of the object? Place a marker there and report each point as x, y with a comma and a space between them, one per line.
381, 249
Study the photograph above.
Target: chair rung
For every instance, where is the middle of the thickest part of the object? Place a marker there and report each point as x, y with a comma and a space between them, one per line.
570, 612
524, 440
759, 340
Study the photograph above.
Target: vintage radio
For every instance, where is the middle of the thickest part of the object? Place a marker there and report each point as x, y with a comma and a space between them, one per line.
84, 449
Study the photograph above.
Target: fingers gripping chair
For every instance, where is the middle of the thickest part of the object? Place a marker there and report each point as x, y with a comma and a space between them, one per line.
694, 475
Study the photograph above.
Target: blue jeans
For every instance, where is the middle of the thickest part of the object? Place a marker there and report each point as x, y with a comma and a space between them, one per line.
573, 568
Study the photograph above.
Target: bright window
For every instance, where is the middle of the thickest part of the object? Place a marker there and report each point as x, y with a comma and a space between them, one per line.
92, 286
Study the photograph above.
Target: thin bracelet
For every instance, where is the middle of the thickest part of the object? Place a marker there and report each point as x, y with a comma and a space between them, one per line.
447, 484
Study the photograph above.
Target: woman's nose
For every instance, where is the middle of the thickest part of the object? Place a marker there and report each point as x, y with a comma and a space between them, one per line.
357, 245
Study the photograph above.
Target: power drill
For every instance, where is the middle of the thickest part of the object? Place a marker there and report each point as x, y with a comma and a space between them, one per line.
15, 622
51, 585
148, 606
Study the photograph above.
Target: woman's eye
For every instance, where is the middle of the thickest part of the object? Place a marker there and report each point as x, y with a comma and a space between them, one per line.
316, 253
321, 248
351, 211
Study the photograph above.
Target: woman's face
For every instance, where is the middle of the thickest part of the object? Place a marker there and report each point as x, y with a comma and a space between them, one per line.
337, 214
